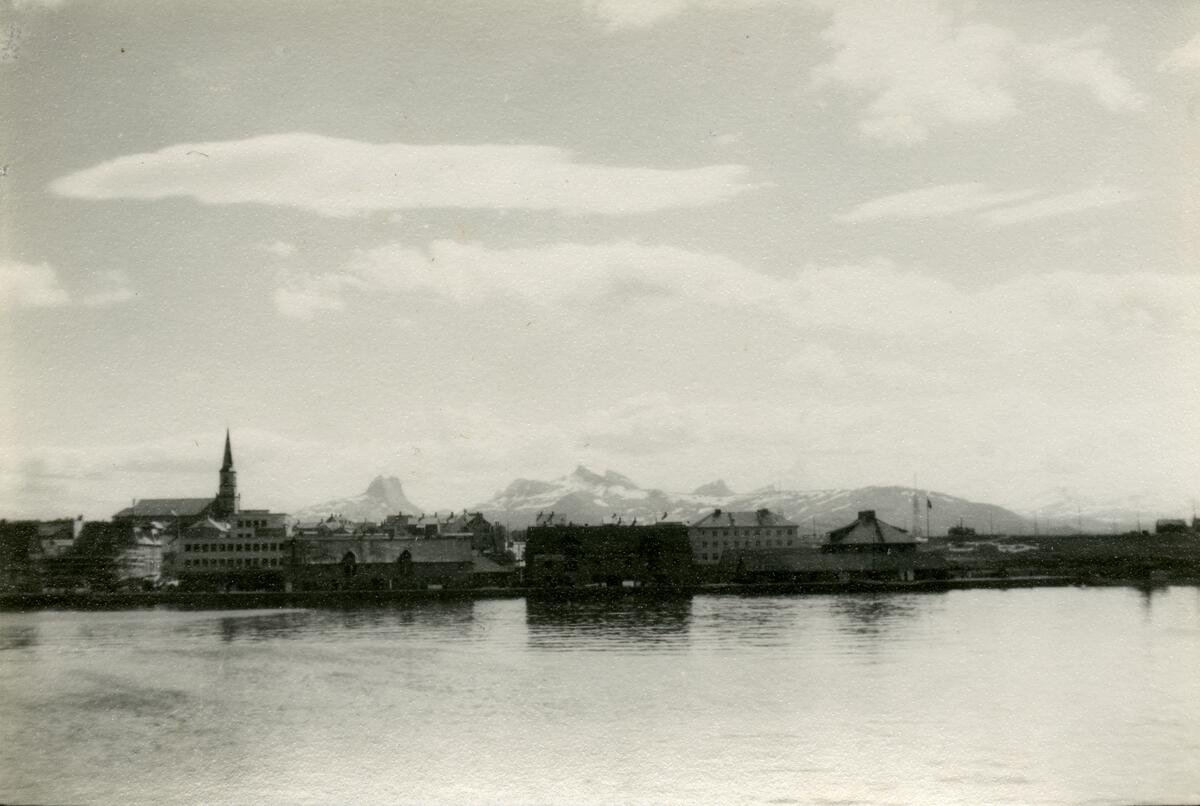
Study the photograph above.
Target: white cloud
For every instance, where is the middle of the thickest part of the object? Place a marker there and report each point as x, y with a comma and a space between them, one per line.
24, 285
925, 66
1081, 61
304, 297
108, 288
1065, 204
338, 177
646, 423
997, 206
24, 5
920, 68
618, 274
1184, 58
935, 201
280, 249
618, 15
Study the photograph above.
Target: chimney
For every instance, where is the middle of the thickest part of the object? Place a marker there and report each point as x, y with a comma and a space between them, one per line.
867, 515
716, 513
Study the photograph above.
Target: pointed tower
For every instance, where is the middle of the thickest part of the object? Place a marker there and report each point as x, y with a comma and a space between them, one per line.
227, 496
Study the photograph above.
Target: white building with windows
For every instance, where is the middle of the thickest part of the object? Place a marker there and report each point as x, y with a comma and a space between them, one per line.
720, 532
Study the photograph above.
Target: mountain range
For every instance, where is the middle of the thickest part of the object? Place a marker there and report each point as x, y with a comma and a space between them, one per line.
584, 496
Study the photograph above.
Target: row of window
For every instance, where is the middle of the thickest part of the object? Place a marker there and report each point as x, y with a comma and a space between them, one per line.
749, 532
234, 562
223, 547
737, 544
252, 524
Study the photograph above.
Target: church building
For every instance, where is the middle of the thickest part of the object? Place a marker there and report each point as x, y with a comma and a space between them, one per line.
213, 541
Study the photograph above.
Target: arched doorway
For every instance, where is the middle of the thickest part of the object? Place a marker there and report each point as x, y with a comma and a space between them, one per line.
404, 561
349, 564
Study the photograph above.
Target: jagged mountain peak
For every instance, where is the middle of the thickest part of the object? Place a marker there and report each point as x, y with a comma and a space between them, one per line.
384, 496
387, 489
609, 479
585, 496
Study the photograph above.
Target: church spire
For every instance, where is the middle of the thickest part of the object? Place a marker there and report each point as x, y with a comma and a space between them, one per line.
228, 463
227, 502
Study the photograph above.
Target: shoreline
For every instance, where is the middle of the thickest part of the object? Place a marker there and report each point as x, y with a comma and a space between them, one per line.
21, 602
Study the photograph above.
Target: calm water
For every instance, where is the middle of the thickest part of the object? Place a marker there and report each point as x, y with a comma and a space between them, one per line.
1024, 696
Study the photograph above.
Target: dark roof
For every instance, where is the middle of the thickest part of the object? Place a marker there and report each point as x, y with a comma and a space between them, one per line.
761, 517
869, 529
485, 565
166, 508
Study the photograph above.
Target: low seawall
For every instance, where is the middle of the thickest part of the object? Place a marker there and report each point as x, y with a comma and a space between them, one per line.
281, 599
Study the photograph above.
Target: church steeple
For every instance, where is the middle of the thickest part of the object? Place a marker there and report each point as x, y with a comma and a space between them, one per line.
228, 463
227, 502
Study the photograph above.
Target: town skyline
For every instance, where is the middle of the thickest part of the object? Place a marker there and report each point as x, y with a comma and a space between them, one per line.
812, 245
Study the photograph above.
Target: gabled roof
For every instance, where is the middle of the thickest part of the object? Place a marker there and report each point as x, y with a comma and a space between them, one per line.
761, 517
869, 529
209, 525
166, 508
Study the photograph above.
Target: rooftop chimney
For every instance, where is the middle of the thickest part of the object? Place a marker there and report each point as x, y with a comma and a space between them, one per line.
866, 515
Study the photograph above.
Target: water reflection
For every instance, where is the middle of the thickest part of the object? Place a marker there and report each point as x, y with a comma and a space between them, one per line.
635, 622
435, 617
874, 614
18, 636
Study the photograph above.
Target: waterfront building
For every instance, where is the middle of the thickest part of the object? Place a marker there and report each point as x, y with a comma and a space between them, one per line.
249, 548
377, 560
142, 559
607, 554
58, 537
210, 542
720, 532
866, 550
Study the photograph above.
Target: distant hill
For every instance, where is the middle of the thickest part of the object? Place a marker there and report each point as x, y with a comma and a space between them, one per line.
1062, 509
584, 496
384, 496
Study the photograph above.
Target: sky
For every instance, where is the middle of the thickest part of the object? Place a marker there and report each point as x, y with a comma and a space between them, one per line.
807, 244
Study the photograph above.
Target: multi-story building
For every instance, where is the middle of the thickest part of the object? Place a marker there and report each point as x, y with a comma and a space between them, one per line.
720, 532
212, 542
245, 544
609, 554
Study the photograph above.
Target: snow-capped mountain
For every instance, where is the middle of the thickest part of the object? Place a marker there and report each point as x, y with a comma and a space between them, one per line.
384, 496
584, 496
1064, 507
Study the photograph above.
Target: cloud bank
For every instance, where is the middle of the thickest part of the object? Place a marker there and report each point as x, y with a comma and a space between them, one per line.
999, 208
26, 285
925, 66
339, 177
